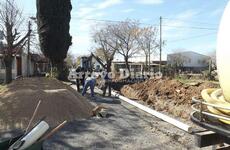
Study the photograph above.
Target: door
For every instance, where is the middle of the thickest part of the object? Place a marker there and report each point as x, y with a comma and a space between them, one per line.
19, 66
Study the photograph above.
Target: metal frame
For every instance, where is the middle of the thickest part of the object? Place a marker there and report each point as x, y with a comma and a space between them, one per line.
217, 132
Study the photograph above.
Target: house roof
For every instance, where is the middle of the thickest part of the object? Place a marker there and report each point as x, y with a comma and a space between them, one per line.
15, 50
163, 62
39, 58
188, 52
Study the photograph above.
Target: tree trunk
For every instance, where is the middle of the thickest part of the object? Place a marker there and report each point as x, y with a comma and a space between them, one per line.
127, 64
8, 73
62, 71
149, 68
108, 66
146, 62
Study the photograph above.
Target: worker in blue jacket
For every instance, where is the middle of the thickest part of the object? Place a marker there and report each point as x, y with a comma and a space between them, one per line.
90, 82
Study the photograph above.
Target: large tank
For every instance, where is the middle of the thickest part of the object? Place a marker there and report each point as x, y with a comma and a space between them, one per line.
223, 53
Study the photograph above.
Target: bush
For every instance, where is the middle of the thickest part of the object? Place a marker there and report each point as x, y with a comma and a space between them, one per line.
209, 75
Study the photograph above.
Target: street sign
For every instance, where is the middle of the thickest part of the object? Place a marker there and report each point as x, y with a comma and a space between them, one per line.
1, 35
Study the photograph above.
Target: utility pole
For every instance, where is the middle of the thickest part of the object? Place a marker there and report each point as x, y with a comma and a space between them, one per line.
149, 59
28, 50
160, 43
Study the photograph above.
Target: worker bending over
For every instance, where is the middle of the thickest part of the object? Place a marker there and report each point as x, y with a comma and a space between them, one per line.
89, 82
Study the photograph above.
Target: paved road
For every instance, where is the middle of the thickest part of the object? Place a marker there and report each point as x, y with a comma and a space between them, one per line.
125, 128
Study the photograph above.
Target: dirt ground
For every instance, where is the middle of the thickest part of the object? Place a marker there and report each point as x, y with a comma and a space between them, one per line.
59, 102
126, 127
167, 95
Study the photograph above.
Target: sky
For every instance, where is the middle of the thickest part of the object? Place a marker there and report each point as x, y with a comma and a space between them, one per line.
188, 25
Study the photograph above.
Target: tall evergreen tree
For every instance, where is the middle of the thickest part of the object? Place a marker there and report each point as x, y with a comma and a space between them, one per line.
53, 27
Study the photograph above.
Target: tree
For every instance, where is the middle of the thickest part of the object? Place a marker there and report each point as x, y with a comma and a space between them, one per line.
11, 20
53, 18
70, 60
147, 42
126, 32
107, 44
178, 61
78, 60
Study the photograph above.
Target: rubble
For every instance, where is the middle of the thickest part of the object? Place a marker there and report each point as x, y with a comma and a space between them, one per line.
166, 95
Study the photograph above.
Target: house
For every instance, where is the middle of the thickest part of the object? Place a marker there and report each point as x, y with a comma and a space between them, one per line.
136, 66
117, 66
188, 61
23, 65
39, 65
19, 65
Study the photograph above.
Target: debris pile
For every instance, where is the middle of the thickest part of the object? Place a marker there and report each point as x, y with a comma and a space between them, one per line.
59, 102
167, 95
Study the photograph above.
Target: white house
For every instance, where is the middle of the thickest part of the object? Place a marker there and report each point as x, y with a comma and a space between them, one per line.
22, 66
19, 66
189, 60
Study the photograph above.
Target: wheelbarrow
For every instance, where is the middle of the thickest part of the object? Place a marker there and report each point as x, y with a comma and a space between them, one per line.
5, 144
33, 139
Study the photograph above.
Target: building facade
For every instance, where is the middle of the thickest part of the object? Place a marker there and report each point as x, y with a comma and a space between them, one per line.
24, 66
188, 61
138, 67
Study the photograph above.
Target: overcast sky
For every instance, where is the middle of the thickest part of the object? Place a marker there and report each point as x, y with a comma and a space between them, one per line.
187, 24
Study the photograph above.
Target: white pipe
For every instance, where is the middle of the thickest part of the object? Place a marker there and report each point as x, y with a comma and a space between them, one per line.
31, 137
164, 117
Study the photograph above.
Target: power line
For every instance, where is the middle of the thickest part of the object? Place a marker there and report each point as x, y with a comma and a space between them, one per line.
192, 37
93, 19
156, 25
190, 21
191, 27
112, 21
181, 27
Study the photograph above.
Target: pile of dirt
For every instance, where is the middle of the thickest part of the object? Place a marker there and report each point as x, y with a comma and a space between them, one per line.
59, 103
167, 95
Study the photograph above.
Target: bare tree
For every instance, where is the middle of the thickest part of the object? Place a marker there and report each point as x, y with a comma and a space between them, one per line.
178, 61
147, 42
107, 44
11, 20
126, 33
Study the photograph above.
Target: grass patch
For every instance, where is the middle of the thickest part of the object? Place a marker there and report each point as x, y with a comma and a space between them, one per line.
184, 80
3, 88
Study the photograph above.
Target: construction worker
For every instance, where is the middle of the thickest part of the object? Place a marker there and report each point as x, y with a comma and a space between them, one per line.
107, 83
78, 70
89, 82
82, 76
